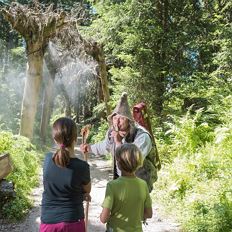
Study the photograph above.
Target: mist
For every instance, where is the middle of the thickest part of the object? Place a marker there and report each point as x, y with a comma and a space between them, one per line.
76, 75
11, 93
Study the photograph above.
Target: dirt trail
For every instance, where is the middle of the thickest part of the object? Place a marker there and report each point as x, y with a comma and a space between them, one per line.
100, 174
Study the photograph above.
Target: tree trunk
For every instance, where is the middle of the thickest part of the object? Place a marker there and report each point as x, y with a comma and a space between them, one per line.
47, 106
78, 106
162, 7
67, 101
37, 25
48, 92
31, 91
104, 80
68, 108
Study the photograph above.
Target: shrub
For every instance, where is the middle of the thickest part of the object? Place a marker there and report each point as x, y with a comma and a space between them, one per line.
195, 183
24, 175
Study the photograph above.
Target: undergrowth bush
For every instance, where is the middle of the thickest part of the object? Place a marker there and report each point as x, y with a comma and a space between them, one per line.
188, 134
195, 183
24, 175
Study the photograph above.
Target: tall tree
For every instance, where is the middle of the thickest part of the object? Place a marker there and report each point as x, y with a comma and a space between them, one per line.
162, 50
37, 25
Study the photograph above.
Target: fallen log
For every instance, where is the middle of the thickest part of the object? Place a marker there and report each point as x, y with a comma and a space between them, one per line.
5, 165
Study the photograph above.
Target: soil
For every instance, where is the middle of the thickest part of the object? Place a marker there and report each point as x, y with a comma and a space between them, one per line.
101, 173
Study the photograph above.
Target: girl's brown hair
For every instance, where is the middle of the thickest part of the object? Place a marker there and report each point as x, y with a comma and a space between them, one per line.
64, 133
129, 157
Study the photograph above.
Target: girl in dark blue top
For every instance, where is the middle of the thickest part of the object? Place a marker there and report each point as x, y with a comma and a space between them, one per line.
66, 181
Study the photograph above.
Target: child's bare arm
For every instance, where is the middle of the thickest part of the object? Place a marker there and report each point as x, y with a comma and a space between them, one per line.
147, 213
105, 215
87, 187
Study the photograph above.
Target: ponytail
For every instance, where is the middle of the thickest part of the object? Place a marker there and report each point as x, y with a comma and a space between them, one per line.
64, 134
61, 157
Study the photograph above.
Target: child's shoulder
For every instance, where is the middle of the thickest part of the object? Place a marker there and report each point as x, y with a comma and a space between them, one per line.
114, 182
121, 183
78, 163
121, 180
141, 180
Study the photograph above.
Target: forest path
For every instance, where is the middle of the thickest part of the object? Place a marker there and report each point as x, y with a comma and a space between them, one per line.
100, 173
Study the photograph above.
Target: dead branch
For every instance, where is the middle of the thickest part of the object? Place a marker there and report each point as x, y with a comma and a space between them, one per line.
35, 22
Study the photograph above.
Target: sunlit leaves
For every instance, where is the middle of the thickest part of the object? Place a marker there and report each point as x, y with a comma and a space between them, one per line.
24, 175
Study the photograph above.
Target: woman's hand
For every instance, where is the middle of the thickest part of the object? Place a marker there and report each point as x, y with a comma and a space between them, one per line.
87, 197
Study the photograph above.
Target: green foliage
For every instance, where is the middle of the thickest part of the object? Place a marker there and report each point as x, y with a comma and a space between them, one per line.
195, 185
18, 208
24, 175
188, 133
161, 52
99, 132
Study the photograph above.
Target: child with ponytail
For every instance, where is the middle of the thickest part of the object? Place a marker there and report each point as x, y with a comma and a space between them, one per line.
66, 181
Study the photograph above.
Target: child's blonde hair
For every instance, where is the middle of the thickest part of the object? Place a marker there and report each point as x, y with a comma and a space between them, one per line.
129, 157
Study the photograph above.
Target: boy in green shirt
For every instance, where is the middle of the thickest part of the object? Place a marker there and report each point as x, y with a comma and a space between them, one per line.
127, 201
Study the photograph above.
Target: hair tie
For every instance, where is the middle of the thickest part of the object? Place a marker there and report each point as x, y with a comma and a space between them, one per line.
62, 145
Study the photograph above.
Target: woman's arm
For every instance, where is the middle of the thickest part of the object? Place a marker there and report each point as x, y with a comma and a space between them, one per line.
105, 215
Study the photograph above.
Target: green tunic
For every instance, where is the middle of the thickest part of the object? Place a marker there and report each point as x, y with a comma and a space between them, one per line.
126, 197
